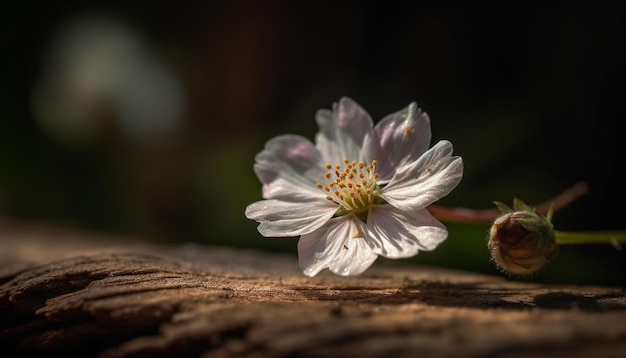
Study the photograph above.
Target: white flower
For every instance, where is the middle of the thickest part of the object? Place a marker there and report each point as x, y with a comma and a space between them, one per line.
359, 192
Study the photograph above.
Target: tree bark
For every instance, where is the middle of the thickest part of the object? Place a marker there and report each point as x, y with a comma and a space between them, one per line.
66, 293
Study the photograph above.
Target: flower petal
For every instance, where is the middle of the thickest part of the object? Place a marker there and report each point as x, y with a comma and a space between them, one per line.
342, 131
281, 218
397, 139
421, 183
339, 246
289, 167
394, 234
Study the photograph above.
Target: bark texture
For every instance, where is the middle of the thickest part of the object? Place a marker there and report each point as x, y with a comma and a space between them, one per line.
67, 293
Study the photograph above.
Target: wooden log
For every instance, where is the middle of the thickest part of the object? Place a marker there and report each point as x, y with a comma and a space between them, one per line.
67, 293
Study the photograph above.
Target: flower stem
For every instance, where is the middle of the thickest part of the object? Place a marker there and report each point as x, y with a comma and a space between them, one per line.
615, 238
487, 216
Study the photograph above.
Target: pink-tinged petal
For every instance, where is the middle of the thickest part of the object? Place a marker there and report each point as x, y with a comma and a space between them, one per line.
289, 167
342, 131
421, 183
338, 246
394, 234
397, 139
281, 219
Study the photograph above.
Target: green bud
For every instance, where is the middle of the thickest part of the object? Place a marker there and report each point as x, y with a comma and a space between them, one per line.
521, 240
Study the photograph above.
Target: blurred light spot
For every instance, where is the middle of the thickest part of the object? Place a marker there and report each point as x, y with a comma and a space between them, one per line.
98, 75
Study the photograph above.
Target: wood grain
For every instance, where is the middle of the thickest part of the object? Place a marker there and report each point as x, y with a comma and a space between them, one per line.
68, 293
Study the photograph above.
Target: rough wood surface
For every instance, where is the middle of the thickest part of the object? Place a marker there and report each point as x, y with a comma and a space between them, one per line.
65, 293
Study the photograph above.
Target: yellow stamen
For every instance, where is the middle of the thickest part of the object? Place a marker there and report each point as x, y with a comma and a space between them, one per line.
354, 186
357, 234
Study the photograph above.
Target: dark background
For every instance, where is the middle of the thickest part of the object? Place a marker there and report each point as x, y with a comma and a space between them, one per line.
530, 94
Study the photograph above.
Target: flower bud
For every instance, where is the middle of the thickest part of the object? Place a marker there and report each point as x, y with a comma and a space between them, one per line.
521, 240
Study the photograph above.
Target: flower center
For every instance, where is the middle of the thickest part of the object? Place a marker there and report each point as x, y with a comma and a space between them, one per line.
353, 186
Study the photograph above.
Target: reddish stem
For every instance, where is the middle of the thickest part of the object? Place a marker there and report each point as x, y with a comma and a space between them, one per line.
487, 216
